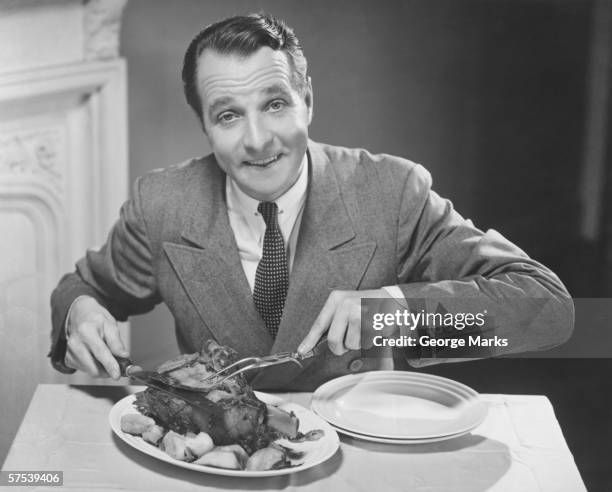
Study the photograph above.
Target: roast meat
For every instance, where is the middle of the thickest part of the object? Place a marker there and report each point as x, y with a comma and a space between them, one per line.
232, 413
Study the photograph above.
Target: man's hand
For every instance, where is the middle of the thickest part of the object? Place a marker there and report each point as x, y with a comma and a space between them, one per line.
341, 319
93, 338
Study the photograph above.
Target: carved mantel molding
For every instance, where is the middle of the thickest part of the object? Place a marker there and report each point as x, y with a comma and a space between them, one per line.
102, 23
35, 153
44, 33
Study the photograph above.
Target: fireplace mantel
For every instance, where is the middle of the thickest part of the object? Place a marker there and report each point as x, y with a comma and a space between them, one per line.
63, 170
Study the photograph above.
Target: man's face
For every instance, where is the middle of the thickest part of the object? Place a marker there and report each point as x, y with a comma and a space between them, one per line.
255, 120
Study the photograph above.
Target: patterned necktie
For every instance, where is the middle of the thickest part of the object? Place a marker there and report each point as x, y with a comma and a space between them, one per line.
272, 275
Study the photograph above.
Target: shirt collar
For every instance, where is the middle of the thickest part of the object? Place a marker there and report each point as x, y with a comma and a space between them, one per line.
289, 203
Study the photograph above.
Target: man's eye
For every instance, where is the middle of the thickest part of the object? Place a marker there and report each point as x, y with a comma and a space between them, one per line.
277, 105
226, 117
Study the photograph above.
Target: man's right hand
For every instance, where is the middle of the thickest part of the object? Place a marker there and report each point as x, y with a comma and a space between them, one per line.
92, 339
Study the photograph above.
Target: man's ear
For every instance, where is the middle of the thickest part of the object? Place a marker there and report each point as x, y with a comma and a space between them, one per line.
309, 99
201, 122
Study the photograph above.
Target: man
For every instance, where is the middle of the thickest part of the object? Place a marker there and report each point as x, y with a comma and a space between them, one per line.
271, 242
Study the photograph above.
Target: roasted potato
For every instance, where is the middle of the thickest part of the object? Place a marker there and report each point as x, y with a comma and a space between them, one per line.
200, 444
153, 434
220, 459
266, 459
175, 445
238, 450
136, 423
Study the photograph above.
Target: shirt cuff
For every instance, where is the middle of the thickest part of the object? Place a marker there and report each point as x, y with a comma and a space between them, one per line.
67, 324
58, 355
396, 293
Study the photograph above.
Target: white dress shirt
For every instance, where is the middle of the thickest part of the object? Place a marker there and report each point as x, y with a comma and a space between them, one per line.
249, 227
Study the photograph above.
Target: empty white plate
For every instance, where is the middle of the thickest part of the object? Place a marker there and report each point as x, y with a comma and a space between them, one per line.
399, 405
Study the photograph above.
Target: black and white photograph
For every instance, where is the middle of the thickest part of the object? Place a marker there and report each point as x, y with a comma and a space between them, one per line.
283, 245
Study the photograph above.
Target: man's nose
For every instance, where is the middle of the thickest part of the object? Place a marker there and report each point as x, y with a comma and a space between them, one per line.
256, 135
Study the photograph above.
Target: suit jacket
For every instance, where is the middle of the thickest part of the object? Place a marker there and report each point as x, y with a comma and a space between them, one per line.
369, 221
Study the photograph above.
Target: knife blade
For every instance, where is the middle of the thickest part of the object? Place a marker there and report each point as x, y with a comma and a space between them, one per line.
207, 412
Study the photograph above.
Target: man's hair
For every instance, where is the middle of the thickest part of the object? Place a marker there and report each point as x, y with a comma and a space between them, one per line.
243, 36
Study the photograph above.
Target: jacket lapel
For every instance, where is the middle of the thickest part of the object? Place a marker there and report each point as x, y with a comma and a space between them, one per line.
327, 258
209, 267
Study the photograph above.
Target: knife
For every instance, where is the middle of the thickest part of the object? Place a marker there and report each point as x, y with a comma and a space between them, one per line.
206, 412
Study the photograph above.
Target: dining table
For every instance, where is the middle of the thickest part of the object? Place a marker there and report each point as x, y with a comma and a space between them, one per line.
519, 446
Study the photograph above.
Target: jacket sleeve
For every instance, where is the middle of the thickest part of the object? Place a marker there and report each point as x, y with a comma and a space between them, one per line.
446, 265
119, 275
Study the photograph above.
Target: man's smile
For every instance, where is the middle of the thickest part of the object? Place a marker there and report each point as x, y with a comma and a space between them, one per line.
264, 162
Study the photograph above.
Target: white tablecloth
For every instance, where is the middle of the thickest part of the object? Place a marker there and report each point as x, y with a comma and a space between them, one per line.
518, 448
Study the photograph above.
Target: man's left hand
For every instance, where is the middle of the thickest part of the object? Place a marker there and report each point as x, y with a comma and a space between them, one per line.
341, 319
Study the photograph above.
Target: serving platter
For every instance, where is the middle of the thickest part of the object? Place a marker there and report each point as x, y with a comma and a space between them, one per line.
399, 406
315, 452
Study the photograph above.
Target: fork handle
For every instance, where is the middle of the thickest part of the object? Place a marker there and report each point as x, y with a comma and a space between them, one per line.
317, 349
125, 365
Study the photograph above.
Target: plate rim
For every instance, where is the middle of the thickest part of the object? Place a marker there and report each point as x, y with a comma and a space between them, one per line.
389, 440
348, 380
331, 436
401, 374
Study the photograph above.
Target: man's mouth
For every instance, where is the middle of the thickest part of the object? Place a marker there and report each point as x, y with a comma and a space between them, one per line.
264, 162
